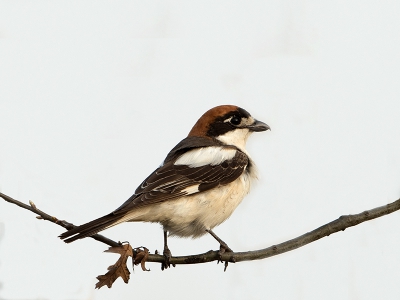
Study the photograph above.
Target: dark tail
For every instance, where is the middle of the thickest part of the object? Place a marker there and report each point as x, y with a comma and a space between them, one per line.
90, 228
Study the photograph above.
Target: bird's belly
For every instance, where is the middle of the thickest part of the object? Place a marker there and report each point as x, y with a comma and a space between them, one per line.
190, 216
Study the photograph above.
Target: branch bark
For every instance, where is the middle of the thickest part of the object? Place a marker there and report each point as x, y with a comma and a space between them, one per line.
337, 225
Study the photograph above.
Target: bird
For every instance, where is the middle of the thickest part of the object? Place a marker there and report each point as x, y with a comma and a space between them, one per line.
200, 183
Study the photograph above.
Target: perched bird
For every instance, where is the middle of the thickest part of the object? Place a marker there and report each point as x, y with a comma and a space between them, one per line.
198, 186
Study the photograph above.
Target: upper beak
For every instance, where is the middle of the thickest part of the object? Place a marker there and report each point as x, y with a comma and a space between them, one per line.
258, 126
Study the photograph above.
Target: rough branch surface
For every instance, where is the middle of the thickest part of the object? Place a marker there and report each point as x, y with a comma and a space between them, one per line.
337, 225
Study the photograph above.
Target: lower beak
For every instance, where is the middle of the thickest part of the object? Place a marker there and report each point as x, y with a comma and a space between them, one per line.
258, 126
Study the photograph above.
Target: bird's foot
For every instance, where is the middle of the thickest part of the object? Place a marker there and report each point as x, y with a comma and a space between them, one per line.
166, 263
224, 248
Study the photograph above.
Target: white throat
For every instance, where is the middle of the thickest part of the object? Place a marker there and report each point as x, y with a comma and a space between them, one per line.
237, 137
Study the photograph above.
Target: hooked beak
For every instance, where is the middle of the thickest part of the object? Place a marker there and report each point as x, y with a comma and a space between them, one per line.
258, 126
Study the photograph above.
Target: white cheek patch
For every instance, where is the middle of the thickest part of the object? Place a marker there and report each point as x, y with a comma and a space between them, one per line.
237, 137
205, 156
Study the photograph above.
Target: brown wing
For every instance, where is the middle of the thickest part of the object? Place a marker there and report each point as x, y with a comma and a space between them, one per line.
170, 181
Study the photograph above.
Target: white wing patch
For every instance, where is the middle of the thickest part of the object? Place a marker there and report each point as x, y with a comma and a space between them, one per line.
191, 189
205, 156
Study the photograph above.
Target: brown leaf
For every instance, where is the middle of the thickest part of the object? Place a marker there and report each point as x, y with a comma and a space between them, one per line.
119, 269
140, 257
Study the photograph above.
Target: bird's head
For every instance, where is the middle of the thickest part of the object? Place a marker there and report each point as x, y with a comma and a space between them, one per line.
229, 124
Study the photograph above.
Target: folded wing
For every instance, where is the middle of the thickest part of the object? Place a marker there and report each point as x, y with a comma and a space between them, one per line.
186, 171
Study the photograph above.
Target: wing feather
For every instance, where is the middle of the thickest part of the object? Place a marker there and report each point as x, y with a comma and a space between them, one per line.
169, 181
172, 181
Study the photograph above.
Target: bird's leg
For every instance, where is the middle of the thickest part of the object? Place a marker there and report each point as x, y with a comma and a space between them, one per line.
167, 254
223, 247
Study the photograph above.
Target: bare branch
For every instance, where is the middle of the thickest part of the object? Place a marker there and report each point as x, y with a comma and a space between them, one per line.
42, 215
337, 225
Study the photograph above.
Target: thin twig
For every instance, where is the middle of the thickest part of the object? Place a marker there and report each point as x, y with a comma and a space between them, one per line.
337, 225
42, 215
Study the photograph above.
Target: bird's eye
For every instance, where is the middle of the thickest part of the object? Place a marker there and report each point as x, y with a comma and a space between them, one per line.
235, 120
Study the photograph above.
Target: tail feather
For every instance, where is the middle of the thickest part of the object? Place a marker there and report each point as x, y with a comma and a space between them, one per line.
90, 228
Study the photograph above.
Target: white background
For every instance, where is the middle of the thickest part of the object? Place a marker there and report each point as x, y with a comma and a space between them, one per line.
93, 95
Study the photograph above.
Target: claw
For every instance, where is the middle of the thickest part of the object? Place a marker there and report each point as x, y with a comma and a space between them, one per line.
167, 255
223, 248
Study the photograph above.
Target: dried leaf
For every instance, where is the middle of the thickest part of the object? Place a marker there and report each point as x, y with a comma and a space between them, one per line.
125, 249
119, 269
